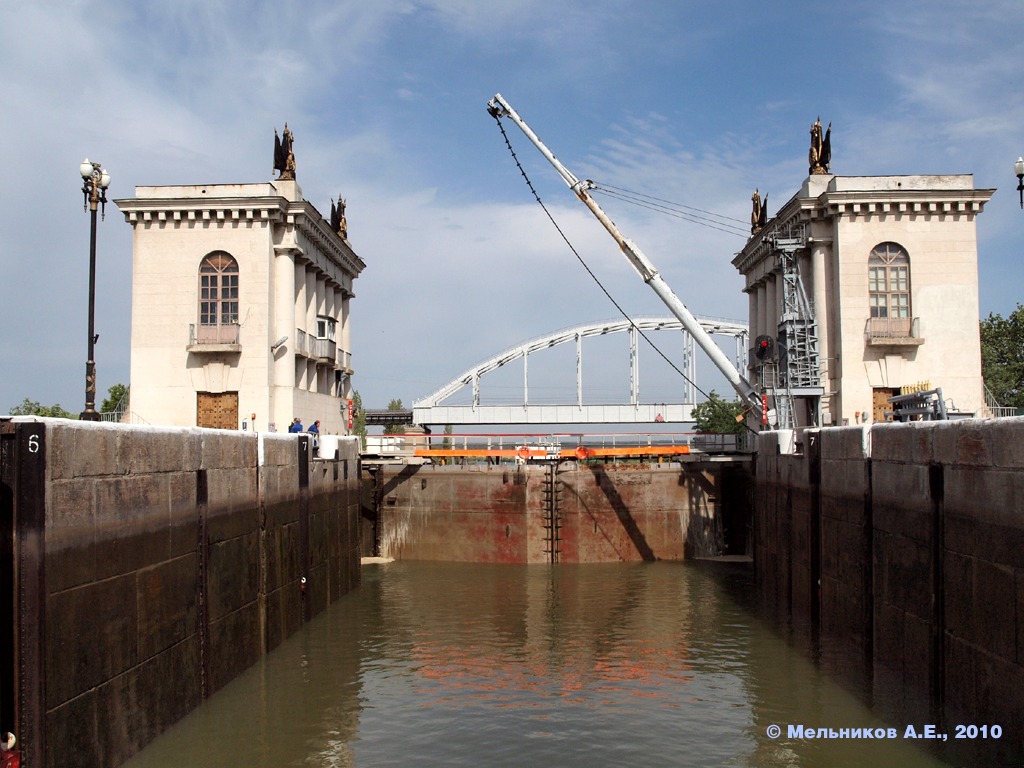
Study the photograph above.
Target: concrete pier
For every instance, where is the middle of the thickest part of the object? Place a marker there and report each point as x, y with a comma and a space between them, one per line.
145, 568
897, 550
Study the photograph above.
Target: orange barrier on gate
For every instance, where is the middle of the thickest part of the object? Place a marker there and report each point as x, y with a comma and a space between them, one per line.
635, 451
525, 447
580, 453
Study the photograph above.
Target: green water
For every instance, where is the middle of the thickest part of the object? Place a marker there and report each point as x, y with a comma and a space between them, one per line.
437, 664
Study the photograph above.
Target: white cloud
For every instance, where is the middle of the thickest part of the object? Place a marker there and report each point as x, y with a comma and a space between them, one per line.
386, 100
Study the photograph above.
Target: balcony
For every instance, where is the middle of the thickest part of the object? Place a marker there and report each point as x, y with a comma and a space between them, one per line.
301, 343
324, 351
345, 362
213, 338
893, 332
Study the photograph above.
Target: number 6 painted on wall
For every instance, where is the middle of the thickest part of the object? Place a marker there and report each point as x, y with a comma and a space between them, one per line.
33, 443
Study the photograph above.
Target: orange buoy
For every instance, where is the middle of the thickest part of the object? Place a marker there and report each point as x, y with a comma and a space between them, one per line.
523, 453
582, 452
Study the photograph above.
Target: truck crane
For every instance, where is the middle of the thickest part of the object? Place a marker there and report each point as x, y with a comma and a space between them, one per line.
498, 107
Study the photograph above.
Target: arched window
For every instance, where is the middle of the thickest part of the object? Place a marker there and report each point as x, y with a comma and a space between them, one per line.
889, 281
218, 290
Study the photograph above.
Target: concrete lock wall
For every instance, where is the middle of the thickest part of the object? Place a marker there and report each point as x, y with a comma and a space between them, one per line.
565, 513
898, 550
155, 565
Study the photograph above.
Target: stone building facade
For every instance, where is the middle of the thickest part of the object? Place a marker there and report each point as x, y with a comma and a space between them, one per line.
240, 308
884, 279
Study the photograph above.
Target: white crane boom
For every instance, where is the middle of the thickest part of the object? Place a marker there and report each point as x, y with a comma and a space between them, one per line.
498, 107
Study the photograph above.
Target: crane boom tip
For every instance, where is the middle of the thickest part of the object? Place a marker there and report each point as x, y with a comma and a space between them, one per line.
496, 106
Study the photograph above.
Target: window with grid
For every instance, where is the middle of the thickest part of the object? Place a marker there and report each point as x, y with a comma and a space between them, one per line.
889, 281
218, 290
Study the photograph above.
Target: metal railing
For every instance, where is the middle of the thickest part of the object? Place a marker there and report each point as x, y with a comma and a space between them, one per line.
117, 415
892, 328
212, 334
997, 410
714, 442
418, 448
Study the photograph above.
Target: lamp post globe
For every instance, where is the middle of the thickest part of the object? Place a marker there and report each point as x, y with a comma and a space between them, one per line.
1018, 168
95, 181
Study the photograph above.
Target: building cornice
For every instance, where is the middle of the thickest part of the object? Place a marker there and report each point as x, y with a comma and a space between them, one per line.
884, 201
312, 227
174, 211
925, 202
301, 215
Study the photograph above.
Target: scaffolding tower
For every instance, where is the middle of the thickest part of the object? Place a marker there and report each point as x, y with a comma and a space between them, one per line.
799, 391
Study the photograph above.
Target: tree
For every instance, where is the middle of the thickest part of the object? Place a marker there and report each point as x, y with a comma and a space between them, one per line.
358, 418
116, 399
718, 416
1002, 357
32, 408
395, 429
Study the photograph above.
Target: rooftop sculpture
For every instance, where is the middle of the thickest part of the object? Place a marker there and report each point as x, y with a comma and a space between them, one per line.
759, 212
820, 155
338, 222
284, 157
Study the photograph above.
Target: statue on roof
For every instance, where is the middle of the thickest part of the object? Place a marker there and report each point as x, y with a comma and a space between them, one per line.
338, 222
759, 212
820, 155
284, 157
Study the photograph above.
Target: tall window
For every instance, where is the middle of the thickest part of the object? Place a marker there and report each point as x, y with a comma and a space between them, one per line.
889, 281
218, 290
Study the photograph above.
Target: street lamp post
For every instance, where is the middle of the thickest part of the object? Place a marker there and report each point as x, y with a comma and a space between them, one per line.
1018, 168
96, 180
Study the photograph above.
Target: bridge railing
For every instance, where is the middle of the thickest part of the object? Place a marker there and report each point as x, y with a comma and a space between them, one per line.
597, 440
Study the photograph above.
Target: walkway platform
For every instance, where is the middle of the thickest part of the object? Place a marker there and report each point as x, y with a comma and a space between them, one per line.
419, 448
541, 453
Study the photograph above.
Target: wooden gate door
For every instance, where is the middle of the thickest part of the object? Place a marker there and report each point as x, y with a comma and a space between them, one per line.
219, 411
880, 404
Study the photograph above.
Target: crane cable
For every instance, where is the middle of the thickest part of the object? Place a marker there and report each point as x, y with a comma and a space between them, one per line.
590, 272
677, 210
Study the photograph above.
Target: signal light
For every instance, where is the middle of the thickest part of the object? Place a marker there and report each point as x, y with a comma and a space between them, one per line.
764, 347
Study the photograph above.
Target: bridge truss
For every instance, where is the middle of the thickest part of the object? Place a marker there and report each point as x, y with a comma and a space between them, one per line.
432, 410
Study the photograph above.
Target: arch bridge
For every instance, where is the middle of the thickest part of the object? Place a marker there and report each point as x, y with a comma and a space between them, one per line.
433, 410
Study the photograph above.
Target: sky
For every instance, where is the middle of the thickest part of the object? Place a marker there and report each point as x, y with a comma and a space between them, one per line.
695, 103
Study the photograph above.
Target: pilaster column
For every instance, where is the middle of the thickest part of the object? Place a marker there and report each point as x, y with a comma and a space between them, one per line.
282, 362
762, 308
820, 253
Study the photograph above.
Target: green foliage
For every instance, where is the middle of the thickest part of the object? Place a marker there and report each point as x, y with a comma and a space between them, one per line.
395, 429
1002, 357
115, 395
718, 416
447, 442
358, 418
33, 408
